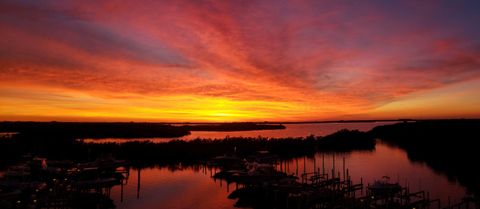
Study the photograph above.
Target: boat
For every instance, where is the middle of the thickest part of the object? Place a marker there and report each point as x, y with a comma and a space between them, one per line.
383, 188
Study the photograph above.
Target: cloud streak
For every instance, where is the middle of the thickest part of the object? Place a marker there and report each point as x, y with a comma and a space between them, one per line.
301, 59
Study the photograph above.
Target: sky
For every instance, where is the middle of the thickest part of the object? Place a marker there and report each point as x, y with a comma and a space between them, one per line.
222, 61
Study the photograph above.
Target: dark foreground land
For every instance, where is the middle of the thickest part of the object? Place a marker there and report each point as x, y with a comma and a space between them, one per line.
175, 151
448, 146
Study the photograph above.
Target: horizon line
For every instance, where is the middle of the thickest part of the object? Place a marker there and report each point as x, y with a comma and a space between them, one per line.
257, 122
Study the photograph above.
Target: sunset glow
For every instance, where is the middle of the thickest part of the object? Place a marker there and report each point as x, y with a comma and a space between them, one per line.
188, 61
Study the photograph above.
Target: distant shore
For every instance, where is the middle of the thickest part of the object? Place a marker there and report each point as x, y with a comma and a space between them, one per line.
233, 127
123, 130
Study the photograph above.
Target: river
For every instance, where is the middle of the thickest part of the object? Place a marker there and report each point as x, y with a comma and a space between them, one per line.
179, 187
292, 130
192, 187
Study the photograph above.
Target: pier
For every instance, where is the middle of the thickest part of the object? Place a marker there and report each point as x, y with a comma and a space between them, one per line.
261, 184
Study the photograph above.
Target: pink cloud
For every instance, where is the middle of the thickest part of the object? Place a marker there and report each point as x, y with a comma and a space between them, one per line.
309, 52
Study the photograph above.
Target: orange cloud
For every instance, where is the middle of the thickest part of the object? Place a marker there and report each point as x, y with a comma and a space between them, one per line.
227, 61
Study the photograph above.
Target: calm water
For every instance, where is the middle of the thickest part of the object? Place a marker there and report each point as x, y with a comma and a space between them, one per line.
292, 130
194, 188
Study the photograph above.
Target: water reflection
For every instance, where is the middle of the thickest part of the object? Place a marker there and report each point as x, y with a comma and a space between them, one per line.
193, 187
292, 130
387, 161
164, 188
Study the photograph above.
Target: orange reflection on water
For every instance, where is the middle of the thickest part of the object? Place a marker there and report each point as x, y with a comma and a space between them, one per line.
164, 188
292, 130
178, 187
383, 161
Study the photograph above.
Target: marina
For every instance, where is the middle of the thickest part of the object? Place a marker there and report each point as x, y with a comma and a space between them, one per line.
199, 189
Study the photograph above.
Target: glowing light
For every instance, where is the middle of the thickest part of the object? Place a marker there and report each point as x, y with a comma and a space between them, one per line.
179, 61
